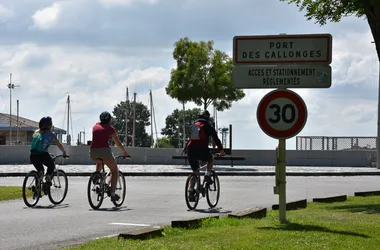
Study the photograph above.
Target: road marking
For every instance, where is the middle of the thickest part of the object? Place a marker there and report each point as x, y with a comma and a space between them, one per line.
129, 224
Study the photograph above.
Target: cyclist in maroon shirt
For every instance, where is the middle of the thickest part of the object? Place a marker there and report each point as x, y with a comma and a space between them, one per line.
100, 148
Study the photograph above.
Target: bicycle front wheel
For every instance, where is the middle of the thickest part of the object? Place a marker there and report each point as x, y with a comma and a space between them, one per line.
31, 189
191, 191
95, 190
213, 191
58, 190
120, 190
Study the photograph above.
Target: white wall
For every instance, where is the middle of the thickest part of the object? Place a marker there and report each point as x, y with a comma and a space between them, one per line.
79, 156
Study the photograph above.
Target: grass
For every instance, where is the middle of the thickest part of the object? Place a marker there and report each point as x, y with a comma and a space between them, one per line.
10, 193
353, 224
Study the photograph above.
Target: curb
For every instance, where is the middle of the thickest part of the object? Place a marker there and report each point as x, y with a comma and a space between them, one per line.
331, 199
225, 173
367, 193
255, 213
191, 223
292, 205
142, 233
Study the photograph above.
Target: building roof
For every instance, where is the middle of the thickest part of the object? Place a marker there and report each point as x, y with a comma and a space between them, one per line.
24, 124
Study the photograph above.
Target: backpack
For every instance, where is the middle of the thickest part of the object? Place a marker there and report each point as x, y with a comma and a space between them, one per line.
198, 132
37, 143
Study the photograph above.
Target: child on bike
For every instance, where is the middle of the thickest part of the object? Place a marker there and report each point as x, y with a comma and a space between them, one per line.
100, 148
39, 155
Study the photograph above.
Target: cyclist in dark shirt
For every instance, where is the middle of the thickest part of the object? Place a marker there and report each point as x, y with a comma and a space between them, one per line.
197, 148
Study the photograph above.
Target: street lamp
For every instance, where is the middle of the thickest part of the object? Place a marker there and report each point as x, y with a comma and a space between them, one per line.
10, 86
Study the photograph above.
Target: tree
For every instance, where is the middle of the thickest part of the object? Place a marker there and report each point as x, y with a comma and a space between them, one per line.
324, 11
142, 139
203, 75
174, 125
163, 142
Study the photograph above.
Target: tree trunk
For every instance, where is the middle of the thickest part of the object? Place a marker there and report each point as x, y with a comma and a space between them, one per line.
372, 11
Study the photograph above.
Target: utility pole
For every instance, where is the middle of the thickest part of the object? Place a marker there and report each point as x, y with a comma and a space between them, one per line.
68, 137
17, 123
126, 117
134, 119
10, 86
151, 116
184, 125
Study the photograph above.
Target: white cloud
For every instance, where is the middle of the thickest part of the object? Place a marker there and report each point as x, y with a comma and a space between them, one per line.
48, 17
5, 13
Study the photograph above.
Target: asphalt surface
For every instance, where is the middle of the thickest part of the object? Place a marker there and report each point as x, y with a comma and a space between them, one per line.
153, 201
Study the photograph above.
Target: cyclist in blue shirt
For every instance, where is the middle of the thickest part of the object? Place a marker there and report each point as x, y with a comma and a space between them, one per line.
39, 155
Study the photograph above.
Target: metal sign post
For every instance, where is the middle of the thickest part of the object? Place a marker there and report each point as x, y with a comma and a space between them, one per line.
281, 62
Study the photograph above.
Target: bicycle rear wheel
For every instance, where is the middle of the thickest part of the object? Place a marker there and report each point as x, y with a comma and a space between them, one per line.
30, 189
213, 191
95, 190
58, 190
191, 193
120, 190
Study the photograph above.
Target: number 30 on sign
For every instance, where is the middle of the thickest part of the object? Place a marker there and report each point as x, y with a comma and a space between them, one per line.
281, 114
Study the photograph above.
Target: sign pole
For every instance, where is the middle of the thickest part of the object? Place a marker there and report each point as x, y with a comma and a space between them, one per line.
282, 178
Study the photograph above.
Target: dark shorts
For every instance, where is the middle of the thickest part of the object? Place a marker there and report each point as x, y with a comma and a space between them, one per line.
196, 154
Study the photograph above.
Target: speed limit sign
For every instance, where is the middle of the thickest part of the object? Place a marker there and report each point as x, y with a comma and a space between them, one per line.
281, 114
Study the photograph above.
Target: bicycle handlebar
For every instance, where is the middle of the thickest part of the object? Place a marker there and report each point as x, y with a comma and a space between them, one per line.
122, 156
53, 156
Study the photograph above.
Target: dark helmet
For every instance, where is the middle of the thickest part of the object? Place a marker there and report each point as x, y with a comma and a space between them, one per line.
205, 114
105, 117
45, 123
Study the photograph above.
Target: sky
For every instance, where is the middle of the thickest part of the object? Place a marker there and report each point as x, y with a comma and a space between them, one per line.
93, 49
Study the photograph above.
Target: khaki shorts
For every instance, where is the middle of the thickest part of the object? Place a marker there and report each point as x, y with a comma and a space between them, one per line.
104, 153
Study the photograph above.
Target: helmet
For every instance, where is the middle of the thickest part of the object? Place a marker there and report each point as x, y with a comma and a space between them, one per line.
105, 117
45, 123
205, 114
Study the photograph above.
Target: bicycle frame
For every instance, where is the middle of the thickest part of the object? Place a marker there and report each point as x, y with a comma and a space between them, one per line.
54, 157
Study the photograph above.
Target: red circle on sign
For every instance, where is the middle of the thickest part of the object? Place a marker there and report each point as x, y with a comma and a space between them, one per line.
297, 126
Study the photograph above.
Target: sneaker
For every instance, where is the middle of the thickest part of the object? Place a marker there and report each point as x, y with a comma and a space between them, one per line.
208, 179
115, 198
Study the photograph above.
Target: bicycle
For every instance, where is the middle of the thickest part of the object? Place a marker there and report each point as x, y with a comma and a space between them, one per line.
31, 193
99, 184
194, 188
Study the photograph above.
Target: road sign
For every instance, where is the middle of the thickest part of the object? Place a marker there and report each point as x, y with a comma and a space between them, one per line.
270, 76
281, 114
282, 49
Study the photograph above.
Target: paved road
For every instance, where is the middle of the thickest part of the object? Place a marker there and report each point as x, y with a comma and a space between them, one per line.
150, 201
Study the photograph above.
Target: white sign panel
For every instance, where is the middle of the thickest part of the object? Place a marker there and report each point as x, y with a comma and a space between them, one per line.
298, 76
283, 49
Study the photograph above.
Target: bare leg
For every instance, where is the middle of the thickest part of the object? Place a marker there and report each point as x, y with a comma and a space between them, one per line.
98, 165
115, 174
210, 164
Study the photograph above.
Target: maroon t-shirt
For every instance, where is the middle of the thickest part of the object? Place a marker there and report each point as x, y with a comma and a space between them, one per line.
101, 134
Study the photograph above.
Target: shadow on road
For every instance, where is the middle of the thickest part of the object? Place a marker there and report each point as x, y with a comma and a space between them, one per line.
111, 209
50, 206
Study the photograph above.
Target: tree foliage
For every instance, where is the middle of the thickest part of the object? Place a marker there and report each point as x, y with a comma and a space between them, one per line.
142, 139
174, 125
203, 75
324, 11
163, 142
